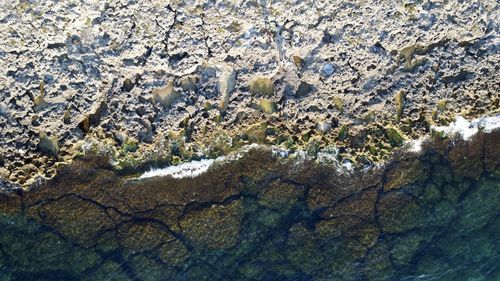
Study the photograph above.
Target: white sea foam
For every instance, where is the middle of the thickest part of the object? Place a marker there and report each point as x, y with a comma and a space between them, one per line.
466, 129
348, 166
280, 152
184, 170
416, 145
488, 124
462, 127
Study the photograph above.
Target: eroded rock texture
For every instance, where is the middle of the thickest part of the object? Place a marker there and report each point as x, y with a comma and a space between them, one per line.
264, 218
172, 80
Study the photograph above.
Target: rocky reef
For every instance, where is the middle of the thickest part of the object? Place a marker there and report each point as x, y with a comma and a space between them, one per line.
171, 81
430, 215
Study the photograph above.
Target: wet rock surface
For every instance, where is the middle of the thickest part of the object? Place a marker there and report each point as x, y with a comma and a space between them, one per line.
261, 217
169, 81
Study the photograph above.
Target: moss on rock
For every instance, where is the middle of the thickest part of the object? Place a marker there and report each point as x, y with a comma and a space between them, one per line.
262, 85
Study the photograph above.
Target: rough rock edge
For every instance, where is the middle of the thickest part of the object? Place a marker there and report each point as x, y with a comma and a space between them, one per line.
460, 130
437, 58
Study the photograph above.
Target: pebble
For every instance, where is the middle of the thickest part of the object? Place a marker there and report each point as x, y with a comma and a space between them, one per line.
327, 69
323, 126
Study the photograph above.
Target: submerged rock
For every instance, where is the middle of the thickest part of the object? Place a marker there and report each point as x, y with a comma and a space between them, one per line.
399, 213
215, 227
404, 173
406, 247
304, 218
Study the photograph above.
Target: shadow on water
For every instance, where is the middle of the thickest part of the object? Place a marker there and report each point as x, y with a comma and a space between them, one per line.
432, 216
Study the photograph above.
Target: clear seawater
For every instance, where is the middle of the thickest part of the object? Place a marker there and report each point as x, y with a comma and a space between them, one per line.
419, 219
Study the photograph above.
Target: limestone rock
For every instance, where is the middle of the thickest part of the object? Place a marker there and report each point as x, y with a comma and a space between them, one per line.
323, 126
189, 83
165, 96
226, 84
142, 68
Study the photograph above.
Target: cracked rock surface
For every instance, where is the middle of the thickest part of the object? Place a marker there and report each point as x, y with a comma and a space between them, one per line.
264, 218
171, 81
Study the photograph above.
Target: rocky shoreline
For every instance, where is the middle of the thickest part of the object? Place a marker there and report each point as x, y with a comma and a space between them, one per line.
182, 84
249, 140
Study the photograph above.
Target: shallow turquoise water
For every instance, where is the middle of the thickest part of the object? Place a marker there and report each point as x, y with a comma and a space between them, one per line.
276, 226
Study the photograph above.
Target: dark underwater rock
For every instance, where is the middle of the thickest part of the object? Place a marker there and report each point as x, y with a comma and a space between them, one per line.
261, 217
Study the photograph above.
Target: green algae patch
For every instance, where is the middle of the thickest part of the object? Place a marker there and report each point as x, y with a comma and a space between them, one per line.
338, 103
49, 145
262, 85
130, 146
399, 99
343, 133
298, 61
267, 106
395, 136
